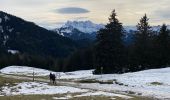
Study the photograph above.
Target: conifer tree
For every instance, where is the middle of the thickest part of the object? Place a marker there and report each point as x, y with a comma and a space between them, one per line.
143, 44
109, 47
163, 47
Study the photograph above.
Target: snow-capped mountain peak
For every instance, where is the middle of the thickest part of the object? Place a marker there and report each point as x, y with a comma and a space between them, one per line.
77, 30
83, 26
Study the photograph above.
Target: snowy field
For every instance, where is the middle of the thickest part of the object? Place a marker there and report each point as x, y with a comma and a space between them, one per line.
40, 88
29, 88
151, 83
154, 82
24, 70
28, 71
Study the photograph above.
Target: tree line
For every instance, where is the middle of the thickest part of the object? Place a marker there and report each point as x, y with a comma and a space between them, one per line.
149, 49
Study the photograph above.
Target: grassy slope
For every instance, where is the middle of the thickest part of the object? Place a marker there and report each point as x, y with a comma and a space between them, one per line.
9, 81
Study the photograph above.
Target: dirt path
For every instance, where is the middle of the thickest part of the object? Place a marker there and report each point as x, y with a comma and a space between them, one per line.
66, 83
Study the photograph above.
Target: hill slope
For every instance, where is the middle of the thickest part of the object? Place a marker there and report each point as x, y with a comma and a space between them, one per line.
27, 37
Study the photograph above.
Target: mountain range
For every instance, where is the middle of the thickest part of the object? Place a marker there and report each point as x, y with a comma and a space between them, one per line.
79, 30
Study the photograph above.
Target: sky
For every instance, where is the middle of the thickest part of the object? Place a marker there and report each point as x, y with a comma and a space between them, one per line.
52, 13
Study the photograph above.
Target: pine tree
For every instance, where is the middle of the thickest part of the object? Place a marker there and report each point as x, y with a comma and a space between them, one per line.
143, 44
109, 47
163, 47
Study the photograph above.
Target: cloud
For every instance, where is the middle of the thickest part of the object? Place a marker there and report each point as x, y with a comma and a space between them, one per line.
72, 10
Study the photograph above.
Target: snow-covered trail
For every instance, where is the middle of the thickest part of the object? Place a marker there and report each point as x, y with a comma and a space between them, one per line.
60, 82
92, 91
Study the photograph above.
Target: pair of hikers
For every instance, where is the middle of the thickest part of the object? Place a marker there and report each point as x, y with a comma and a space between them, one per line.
52, 78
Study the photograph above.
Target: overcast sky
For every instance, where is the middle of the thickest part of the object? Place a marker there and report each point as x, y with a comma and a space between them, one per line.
50, 13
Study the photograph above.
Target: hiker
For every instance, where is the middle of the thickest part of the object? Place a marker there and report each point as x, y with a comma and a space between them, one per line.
52, 78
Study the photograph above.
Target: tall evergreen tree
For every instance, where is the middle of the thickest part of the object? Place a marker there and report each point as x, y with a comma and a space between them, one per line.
162, 45
143, 44
109, 47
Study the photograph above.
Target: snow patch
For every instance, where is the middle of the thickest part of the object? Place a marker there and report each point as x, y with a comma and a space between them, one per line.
24, 70
11, 29
67, 30
77, 74
6, 18
28, 88
62, 34
6, 37
63, 98
13, 51
1, 29
100, 93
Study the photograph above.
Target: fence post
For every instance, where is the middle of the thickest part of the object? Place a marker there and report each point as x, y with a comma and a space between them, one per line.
33, 74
